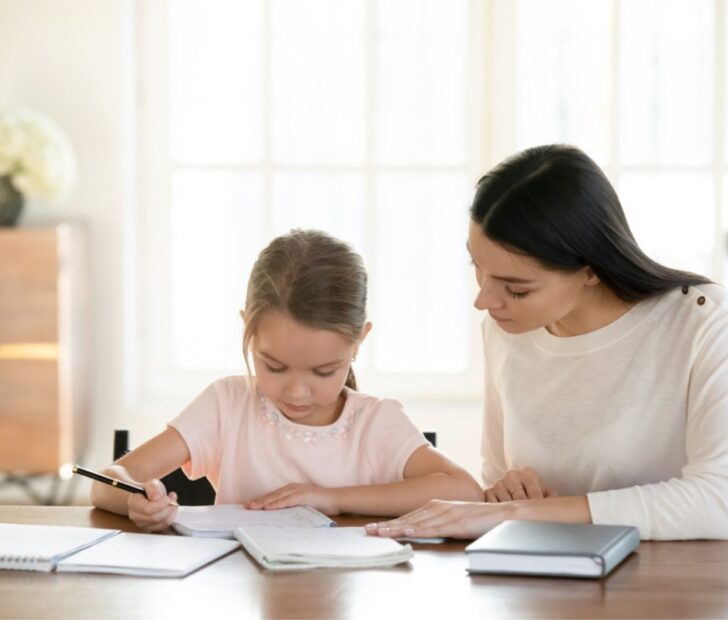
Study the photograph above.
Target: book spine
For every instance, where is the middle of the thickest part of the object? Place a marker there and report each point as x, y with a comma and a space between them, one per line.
620, 550
19, 562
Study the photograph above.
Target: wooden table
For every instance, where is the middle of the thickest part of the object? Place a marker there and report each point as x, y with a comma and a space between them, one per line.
663, 580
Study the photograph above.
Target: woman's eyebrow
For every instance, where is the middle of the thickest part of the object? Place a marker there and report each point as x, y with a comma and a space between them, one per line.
511, 279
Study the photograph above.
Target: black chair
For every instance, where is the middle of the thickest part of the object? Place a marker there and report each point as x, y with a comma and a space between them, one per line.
189, 492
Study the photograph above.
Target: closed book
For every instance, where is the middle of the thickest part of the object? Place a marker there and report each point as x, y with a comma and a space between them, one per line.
555, 549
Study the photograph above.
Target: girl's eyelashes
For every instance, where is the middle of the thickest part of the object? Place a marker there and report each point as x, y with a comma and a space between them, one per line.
515, 294
318, 373
277, 370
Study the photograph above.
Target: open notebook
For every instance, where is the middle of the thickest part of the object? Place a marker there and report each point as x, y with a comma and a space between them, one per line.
219, 521
76, 549
284, 548
42, 547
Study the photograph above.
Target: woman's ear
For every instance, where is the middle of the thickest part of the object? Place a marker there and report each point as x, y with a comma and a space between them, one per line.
242, 315
590, 278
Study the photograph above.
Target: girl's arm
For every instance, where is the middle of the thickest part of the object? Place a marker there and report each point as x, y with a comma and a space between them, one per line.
144, 466
428, 474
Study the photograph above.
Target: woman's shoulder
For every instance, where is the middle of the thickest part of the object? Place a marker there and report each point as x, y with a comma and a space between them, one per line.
715, 294
697, 301
699, 311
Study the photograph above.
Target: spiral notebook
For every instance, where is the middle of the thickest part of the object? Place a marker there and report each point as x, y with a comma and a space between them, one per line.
42, 547
58, 548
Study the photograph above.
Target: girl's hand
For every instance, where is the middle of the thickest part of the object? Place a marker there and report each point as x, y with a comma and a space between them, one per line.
320, 498
518, 484
440, 518
156, 513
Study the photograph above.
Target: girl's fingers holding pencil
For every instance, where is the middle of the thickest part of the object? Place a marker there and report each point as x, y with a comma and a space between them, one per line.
154, 489
154, 510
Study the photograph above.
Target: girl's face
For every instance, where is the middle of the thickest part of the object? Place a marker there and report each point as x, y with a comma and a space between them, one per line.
302, 370
521, 295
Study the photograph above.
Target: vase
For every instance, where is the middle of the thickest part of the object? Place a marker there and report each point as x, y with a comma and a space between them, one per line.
11, 202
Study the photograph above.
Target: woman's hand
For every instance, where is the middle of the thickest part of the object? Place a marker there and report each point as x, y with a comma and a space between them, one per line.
157, 512
473, 519
518, 484
441, 518
321, 498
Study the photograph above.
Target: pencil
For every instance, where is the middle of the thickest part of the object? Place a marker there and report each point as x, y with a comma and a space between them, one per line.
119, 484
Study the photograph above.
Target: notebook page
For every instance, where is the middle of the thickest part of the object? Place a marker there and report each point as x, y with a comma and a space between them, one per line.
148, 555
199, 520
46, 543
319, 545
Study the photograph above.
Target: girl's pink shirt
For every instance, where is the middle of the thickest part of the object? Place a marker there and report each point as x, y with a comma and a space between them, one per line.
247, 448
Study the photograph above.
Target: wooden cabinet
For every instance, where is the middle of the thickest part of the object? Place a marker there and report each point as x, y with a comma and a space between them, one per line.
43, 401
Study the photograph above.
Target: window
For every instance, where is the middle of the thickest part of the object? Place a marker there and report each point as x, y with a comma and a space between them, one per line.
346, 115
639, 85
372, 119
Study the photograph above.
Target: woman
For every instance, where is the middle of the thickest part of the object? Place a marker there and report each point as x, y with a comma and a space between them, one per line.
606, 372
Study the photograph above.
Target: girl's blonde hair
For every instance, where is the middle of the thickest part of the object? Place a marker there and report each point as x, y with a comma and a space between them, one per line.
314, 278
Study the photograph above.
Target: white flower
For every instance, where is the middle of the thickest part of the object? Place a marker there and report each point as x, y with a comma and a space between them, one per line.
37, 155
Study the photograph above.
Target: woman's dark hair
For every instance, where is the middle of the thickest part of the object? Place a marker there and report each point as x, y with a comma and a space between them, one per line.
553, 203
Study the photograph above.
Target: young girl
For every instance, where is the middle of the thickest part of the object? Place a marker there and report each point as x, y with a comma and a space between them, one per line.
297, 432
606, 373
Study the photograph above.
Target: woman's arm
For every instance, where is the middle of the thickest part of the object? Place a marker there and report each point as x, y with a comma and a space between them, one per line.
470, 520
428, 474
144, 466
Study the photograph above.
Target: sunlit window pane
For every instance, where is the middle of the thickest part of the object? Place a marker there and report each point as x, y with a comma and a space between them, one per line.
283, 114
216, 84
318, 80
333, 203
216, 235
671, 216
421, 279
421, 61
666, 85
563, 74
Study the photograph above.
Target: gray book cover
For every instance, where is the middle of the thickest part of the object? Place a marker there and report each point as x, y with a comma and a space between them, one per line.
557, 549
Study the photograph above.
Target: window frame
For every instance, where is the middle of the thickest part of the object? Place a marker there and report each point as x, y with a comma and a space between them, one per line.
153, 377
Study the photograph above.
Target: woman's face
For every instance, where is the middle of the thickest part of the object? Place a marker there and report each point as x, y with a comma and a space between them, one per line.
521, 294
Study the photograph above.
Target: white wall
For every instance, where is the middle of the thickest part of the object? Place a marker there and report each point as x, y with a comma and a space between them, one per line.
70, 59
75, 61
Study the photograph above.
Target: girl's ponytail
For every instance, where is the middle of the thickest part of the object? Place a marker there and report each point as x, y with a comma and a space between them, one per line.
351, 379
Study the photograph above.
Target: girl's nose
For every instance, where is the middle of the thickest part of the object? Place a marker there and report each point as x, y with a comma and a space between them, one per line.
297, 389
